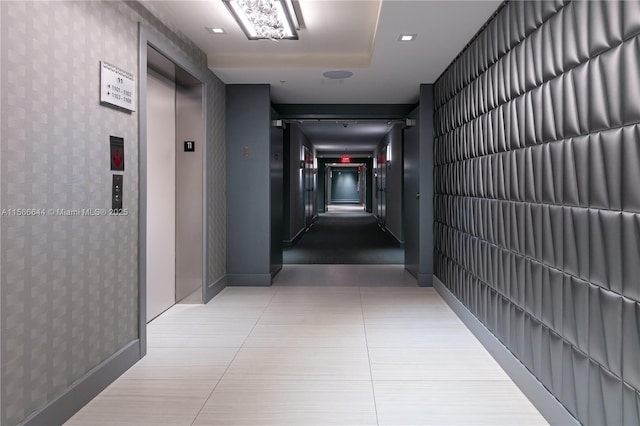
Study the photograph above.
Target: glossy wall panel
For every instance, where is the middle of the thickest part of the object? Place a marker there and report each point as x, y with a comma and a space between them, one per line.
537, 202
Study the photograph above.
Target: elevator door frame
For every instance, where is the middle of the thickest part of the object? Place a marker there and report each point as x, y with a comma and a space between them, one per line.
151, 38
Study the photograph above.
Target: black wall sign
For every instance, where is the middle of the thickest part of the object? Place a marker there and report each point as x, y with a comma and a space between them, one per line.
189, 146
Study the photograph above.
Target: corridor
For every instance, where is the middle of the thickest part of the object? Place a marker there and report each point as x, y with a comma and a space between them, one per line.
346, 234
332, 351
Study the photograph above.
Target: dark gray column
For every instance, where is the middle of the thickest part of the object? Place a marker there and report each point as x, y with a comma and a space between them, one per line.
425, 270
418, 189
248, 146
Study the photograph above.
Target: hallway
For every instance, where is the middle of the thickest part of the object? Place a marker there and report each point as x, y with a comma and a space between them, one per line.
292, 354
345, 235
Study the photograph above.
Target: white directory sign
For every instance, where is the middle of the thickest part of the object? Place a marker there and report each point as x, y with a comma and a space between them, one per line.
117, 86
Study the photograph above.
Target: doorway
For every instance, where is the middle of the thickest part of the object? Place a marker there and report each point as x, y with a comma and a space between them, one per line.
174, 185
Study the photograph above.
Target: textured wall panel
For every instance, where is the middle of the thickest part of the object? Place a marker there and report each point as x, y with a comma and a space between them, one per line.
69, 285
216, 181
537, 164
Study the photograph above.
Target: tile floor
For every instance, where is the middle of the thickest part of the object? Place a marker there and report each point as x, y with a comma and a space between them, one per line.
326, 345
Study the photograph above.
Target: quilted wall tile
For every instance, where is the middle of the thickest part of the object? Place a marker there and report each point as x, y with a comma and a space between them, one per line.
630, 406
575, 382
605, 397
630, 342
537, 164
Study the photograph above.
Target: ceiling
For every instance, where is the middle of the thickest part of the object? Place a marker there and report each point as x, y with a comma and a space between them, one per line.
356, 35
346, 135
360, 36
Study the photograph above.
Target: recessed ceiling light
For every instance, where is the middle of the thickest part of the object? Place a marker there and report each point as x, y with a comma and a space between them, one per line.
337, 74
407, 37
216, 30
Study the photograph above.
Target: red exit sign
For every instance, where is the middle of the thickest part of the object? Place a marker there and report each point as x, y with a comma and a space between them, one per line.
345, 159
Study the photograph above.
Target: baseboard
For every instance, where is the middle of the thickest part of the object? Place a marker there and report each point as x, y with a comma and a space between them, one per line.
540, 397
195, 297
425, 280
392, 235
214, 288
86, 388
256, 280
275, 269
290, 243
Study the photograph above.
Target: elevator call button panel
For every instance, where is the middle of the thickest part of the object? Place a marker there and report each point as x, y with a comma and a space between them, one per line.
116, 191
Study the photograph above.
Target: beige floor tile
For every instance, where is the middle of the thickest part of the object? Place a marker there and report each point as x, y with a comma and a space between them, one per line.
414, 296
307, 336
390, 291
282, 402
244, 296
304, 315
409, 335
434, 363
182, 364
145, 402
306, 356
318, 296
227, 334
453, 403
300, 363
331, 291
208, 314
396, 314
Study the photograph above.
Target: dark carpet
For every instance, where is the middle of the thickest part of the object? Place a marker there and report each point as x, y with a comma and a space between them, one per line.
345, 238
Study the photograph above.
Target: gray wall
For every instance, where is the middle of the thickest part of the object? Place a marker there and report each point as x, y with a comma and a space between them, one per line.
344, 185
537, 196
294, 185
394, 178
418, 179
411, 187
276, 200
248, 142
216, 186
426, 129
69, 285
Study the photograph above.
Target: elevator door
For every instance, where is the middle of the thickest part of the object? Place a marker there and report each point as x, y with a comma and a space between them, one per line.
161, 193
174, 246
189, 194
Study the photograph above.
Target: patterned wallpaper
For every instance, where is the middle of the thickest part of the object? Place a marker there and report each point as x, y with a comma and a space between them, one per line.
216, 182
69, 285
537, 205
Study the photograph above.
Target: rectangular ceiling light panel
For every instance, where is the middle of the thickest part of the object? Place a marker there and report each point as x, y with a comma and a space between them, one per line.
264, 19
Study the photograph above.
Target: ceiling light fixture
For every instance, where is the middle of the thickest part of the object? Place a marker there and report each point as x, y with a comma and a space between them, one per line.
265, 19
407, 37
216, 30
